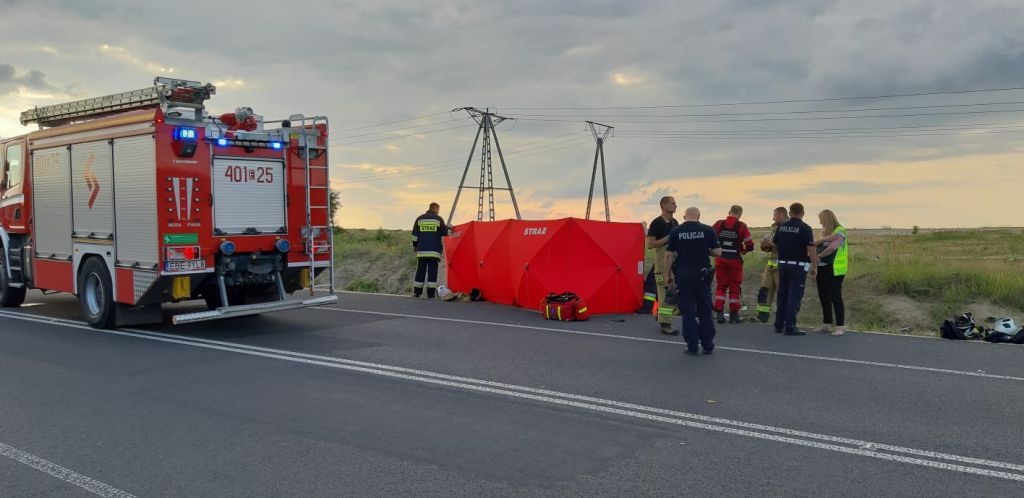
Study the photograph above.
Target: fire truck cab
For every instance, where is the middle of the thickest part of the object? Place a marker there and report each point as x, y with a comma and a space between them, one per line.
142, 198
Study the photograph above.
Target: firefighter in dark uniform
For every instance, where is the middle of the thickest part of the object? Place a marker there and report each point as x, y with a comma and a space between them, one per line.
689, 247
426, 241
657, 237
794, 240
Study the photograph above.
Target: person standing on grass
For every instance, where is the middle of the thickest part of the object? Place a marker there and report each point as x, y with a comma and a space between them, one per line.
427, 233
770, 277
833, 263
736, 241
657, 238
794, 240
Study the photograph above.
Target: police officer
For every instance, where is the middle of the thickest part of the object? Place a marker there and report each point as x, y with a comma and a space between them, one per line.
794, 240
426, 242
689, 247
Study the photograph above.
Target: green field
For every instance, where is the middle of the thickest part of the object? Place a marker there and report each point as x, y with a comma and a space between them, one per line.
899, 281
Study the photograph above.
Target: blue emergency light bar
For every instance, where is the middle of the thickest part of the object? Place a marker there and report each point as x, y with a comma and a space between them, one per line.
185, 134
258, 144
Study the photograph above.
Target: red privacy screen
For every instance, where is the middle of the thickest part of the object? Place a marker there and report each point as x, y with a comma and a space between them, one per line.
519, 262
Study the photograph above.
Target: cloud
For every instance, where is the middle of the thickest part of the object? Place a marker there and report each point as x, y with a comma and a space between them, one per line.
124, 55
628, 79
32, 81
550, 64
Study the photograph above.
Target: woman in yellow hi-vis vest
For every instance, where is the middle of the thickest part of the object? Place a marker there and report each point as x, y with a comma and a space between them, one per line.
833, 261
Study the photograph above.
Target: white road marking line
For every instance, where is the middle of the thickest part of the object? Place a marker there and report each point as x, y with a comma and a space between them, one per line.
620, 404
782, 435
848, 330
679, 343
87, 483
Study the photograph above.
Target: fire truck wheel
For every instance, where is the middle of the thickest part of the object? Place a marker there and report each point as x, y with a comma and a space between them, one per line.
10, 297
96, 293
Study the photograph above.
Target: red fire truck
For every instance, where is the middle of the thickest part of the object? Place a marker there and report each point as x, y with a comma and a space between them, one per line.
142, 198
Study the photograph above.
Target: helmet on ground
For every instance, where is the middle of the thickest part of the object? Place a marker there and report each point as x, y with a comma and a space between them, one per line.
1005, 325
443, 291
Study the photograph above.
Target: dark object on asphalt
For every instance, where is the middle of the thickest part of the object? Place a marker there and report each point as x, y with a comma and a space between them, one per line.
1003, 330
961, 327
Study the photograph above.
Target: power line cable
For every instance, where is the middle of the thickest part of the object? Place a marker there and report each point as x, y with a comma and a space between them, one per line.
872, 128
830, 137
815, 118
395, 121
512, 152
769, 113
391, 130
398, 137
790, 101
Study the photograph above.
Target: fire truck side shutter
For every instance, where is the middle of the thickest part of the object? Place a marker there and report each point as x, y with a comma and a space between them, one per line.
92, 188
51, 182
135, 184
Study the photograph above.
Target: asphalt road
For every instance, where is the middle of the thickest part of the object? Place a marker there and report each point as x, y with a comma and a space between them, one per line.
387, 396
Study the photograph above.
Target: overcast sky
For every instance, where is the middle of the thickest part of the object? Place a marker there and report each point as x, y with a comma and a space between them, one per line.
655, 70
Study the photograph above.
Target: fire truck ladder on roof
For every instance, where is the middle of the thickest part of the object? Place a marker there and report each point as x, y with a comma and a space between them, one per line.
310, 147
164, 92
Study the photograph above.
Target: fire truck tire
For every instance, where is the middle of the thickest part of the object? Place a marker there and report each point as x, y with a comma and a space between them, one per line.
96, 293
10, 297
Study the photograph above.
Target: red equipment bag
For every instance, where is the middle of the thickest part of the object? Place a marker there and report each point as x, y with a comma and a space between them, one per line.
565, 307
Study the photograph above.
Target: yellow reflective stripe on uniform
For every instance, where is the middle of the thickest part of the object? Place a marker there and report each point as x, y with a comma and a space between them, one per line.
773, 263
428, 254
428, 225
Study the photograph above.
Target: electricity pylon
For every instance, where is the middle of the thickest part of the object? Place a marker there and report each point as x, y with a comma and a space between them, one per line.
599, 136
487, 120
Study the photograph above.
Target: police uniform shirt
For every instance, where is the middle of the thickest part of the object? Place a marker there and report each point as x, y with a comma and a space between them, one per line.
692, 242
791, 240
660, 228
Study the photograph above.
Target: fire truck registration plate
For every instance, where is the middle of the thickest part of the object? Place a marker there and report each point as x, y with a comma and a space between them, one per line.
190, 265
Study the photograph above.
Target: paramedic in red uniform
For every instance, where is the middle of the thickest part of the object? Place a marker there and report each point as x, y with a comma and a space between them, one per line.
736, 241
426, 241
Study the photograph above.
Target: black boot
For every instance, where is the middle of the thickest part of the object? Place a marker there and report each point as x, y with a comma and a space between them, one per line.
720, 317
735, 318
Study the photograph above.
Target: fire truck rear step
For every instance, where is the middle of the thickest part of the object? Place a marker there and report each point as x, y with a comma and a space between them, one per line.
252, 309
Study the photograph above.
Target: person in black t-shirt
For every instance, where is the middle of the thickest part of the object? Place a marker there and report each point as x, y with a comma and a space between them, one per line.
689, 248
794, 240
657, 237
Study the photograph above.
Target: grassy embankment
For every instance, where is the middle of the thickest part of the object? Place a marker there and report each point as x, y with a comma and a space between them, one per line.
898, 281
